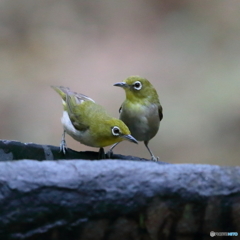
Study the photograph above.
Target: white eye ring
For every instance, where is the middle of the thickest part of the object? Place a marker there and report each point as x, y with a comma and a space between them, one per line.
116, 131
137, 85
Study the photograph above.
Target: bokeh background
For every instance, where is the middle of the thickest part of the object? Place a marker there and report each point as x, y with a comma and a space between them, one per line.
189, 50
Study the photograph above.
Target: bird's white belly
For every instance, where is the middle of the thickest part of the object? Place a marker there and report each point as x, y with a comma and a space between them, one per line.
139, 123
138, 126
83, 137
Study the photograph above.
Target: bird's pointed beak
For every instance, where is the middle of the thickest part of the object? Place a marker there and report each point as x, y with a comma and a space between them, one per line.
130, 138
120, 84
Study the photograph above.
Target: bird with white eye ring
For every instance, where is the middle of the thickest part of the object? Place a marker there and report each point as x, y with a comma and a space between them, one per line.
137, 85
88, 122
141, 111
115, 131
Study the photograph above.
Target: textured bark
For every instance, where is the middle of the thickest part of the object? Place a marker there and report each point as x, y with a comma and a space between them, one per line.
116, 200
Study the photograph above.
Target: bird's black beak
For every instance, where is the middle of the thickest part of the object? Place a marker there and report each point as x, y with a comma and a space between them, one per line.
130, 138
120, 84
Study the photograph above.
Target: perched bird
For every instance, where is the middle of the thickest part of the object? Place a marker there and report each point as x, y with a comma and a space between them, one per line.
141, 111
88, 123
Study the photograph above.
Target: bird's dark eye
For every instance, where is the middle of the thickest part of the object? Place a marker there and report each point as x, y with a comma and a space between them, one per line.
137, 85
115, 131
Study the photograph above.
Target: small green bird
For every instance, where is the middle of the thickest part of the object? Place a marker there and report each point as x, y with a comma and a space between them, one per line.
88, 122
141, 111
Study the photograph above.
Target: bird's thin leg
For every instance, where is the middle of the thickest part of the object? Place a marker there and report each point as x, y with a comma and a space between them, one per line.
63, 145
101, 154
110, 152
153, 157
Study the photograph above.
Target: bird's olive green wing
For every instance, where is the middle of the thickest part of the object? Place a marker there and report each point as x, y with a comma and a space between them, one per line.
77, 107
76, 104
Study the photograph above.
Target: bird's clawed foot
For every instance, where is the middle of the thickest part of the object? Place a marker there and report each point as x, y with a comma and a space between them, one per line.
156, 159
63, 146
109, 154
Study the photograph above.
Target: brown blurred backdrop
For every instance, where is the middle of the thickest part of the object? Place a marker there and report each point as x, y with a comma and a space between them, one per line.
189, 50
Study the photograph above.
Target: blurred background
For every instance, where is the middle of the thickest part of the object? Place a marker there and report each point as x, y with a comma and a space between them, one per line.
189, 50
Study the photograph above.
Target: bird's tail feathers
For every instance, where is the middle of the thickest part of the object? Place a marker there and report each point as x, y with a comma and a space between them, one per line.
65, 91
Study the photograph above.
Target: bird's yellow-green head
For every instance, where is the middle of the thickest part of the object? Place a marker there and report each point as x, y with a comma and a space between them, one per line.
111, 131
138, 89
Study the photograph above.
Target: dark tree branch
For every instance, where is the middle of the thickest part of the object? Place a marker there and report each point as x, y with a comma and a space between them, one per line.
14, 150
